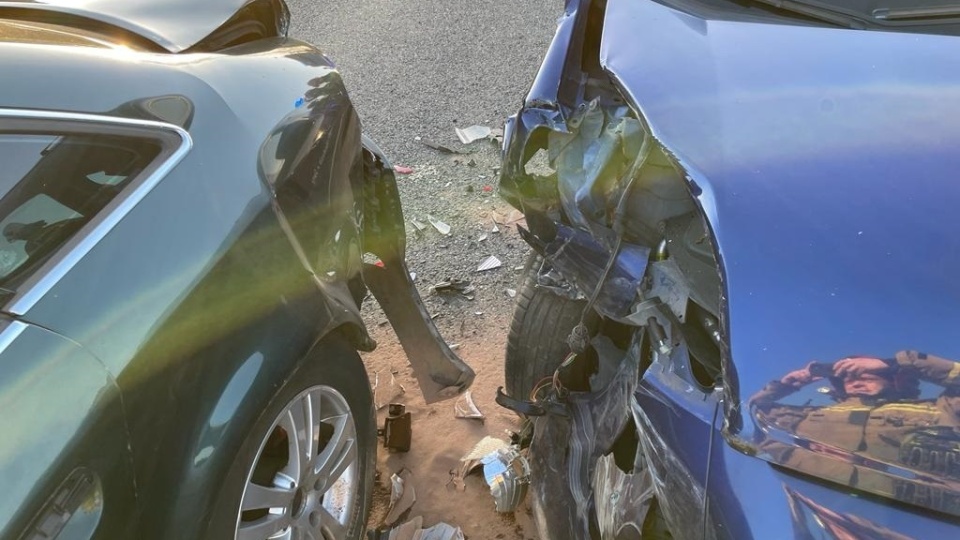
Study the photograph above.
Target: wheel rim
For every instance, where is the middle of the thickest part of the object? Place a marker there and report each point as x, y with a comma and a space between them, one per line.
305, 482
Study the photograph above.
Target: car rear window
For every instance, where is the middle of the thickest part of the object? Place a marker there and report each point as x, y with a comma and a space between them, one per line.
52, 184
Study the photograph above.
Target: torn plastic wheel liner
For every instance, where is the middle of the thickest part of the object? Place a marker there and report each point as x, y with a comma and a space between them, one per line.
563, 503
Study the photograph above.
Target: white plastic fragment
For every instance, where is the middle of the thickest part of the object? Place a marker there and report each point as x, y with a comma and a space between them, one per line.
386, 393
512, 293
466, 408
402, 496
489, 263
419, 226
440, 226
473, 133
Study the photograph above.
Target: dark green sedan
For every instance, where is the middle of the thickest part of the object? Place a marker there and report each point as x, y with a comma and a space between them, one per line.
189, 217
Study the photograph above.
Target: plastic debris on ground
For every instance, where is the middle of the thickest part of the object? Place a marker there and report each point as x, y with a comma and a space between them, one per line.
417, 225
489, 263
402, 169
386, 391
471, 460
455, 288
473, 133
512, 293
402, 496
482, 238
413, 530
440, 226
466, 408
507, 472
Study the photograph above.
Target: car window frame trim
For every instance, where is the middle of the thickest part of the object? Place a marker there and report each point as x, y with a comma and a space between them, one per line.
42, 122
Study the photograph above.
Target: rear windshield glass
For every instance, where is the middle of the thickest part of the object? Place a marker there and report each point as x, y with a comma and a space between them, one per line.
52, 185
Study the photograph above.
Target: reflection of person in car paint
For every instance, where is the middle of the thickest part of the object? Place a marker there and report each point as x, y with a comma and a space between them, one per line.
877, 415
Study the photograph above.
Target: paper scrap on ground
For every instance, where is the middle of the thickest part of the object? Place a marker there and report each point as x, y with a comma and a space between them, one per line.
402, 496
489, 263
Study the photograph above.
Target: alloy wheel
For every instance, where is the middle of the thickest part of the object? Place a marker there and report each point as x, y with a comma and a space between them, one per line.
304, 482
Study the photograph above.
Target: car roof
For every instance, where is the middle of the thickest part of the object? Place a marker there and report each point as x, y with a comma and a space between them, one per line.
175, 25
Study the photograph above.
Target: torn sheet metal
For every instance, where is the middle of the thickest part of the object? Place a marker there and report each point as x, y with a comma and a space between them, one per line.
562, 503
466, 408
507, 473
622, 499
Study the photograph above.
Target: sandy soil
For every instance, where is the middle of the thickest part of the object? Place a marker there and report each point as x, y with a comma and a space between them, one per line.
440, 439
479, 330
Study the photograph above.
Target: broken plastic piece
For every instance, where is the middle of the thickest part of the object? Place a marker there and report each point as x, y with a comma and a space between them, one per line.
403, 169
466, 408
440, 226
419, 226
382, 395
507, 473
473, 133
413, 530
512, 293
402, 496
471, 460
621, 499
489, 263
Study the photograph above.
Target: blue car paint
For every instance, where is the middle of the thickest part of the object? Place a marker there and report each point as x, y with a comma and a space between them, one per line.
822, 160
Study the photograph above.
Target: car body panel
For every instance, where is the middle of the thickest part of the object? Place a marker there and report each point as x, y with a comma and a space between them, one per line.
799, 506
219, 303
821, 184
163, 23
45, 440
821, 161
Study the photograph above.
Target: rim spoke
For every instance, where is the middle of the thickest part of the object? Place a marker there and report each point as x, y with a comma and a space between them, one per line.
336, 456
329, 524
288, 423
257, 497
262, 528
302, 414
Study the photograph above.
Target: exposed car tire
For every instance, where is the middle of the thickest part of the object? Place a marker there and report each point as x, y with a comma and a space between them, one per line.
537, 343
317, 485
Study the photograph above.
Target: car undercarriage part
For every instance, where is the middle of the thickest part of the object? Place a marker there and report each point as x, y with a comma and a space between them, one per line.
397, 430
440, 372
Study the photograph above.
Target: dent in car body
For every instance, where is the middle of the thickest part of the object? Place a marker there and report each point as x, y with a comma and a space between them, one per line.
818, 184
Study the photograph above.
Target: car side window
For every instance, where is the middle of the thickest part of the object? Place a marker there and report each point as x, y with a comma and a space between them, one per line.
52, 184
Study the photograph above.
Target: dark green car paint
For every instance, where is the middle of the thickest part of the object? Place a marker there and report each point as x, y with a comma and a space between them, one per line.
183, 320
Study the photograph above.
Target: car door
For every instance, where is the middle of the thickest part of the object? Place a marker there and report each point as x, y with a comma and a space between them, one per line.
64, 456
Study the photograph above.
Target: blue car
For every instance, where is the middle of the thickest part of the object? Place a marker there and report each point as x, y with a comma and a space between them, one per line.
739, 316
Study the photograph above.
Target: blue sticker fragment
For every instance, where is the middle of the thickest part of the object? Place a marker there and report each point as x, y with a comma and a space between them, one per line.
299, 102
